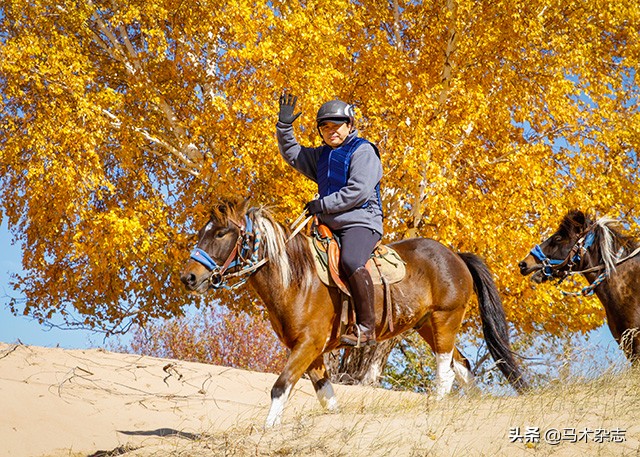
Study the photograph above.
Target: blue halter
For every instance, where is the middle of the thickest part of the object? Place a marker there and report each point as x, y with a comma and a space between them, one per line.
240, 259
582, 245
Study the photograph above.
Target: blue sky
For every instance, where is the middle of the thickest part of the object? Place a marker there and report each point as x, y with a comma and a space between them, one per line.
29, 331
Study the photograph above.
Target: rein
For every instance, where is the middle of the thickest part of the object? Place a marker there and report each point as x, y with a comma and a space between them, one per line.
239, 255
589, 290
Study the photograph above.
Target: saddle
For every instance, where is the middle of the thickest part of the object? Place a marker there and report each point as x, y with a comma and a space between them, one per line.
385, 264
385, 267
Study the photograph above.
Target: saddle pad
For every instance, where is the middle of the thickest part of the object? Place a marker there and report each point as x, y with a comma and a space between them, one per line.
384, 261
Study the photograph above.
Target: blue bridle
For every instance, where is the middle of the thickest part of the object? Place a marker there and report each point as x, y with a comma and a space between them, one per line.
199, 255
572, 258
239, 257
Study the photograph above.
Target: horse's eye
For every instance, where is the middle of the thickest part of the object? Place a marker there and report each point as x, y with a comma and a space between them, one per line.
221, 233
557, 239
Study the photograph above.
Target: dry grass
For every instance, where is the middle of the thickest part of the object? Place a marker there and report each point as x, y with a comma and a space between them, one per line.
102, 404
375, 422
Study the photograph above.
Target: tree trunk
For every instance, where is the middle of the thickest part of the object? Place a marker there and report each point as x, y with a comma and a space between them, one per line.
362, 366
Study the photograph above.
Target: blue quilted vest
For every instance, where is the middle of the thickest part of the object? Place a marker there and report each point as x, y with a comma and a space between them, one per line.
333, 167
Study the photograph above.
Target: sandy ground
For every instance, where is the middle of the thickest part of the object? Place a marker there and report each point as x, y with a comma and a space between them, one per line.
96, 403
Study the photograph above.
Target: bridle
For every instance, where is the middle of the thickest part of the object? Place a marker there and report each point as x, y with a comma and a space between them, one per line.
243, 255
554, 268
560, 269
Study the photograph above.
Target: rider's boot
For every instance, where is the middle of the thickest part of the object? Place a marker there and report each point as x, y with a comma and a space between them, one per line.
362, 292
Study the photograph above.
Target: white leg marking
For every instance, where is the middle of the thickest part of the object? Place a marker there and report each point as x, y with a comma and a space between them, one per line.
465, 377
327, 397
277, 407
463, 374
444, 374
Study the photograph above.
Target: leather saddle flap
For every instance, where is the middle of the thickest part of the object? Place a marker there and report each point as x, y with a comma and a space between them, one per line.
385, 263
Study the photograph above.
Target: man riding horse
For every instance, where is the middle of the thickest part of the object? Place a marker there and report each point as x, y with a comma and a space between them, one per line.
347, 169
431, 298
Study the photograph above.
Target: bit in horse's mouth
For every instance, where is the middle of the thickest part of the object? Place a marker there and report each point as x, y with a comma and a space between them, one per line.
539, 277
201, 288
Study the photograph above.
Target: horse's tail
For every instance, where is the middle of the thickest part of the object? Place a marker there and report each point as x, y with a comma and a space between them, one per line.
494, 321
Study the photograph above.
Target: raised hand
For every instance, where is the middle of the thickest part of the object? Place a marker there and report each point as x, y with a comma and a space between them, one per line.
287, 107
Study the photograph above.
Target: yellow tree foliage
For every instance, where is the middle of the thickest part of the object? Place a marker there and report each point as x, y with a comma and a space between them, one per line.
122, 122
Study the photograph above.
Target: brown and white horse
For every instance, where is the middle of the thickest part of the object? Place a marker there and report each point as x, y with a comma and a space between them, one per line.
608, 260
305, 314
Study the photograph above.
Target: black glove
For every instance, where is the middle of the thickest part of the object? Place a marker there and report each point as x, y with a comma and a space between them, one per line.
313, 207
287, 106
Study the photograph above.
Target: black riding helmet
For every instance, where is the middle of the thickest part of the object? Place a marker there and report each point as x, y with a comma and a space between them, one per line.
335, 110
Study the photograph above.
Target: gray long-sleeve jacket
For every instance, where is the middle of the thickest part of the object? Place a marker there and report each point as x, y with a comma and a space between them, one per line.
342, 209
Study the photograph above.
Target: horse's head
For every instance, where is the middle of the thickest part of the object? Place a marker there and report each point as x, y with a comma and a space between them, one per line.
556, 255
216, 248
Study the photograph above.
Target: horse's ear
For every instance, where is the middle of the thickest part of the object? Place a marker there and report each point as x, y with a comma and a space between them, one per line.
576, 221
243, 206
571, 224
219, 212
579, 218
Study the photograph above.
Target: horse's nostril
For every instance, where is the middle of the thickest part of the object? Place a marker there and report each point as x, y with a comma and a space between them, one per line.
188, 279
522, 265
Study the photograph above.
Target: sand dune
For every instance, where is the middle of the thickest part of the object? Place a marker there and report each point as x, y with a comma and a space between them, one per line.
59, 402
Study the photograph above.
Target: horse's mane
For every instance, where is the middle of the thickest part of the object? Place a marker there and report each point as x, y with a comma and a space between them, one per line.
609, 238
291, 258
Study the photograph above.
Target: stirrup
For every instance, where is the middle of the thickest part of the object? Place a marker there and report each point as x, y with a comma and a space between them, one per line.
359, 336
